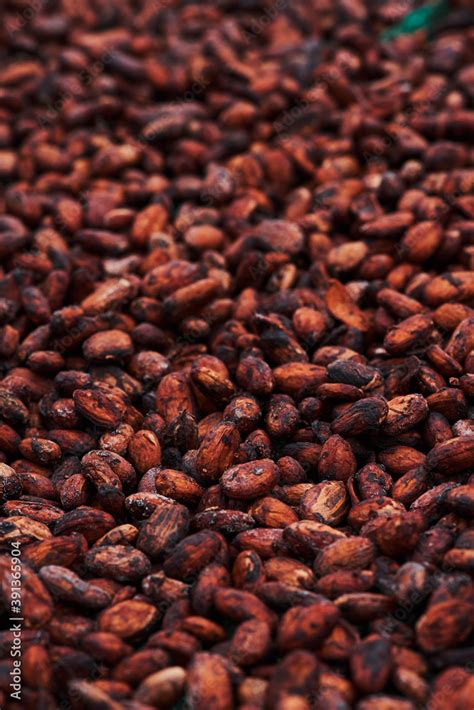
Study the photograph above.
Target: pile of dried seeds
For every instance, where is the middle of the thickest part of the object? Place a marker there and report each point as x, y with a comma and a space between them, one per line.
237, 356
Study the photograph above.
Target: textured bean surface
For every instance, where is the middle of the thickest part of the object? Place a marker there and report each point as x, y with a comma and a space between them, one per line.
237, 355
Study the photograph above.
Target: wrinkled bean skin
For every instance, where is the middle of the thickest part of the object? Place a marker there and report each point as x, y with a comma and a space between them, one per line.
237, 355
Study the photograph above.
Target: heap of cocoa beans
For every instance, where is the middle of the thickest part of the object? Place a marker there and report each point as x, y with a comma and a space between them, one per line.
237, 356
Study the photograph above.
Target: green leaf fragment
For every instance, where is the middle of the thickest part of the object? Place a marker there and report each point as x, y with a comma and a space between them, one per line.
423, 18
